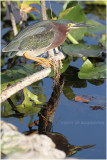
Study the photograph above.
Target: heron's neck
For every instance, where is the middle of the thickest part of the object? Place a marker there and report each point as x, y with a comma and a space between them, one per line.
62, 28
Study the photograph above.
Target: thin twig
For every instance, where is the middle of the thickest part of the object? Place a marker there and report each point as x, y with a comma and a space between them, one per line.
44, 17
12, 105
28, 80
43, 10
50, 9
12, 18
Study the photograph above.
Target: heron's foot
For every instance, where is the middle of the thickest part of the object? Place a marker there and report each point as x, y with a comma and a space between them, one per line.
44, 61
40, 60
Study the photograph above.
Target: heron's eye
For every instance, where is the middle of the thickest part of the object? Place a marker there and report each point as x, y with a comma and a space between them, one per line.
71, 24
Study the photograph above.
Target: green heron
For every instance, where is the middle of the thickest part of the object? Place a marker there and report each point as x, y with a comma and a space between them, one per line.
39, 38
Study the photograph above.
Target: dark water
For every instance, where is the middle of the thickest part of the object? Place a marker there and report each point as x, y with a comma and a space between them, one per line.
76, 120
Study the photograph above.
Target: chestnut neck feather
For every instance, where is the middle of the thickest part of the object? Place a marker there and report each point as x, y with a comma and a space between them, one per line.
60, 36
62, 28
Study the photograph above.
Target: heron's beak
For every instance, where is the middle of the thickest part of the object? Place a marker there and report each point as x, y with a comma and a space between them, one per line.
78, 25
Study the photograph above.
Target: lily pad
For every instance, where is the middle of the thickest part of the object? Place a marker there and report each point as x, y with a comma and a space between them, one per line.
75, 14
81, 50
88, 71
98, 26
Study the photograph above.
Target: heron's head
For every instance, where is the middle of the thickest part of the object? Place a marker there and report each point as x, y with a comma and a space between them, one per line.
72, 25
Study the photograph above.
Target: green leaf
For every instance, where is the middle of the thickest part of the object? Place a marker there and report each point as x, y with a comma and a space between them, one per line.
103, 40
6, 80
27, 3
27, 105
2, 62
68, 92
31, 96
87, 66
88, 71
81, 50
14, 74
75, 14
32, 16
78, 34
25, 69
98, 26
96, 2
69, 4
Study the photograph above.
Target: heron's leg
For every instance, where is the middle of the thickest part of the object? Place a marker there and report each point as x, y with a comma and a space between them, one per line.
39, 60
48, 62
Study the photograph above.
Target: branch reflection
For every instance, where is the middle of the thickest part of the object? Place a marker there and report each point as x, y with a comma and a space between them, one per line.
45, 121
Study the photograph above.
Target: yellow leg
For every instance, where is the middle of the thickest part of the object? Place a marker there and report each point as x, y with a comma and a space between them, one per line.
39, 60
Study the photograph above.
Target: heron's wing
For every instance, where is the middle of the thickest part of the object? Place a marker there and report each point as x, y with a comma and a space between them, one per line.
38, 40
11, 54
33, 37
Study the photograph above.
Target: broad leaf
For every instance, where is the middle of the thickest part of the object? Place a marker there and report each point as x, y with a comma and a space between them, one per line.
68, 93
98, 26
14, 74
75, 14
69, 4
96, 2
31, 96
88, 71
81, 50
6, 80
27, 105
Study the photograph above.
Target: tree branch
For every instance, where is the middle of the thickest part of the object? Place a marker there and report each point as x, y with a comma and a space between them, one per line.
12, 18
28, 80
43, 10
24, 83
